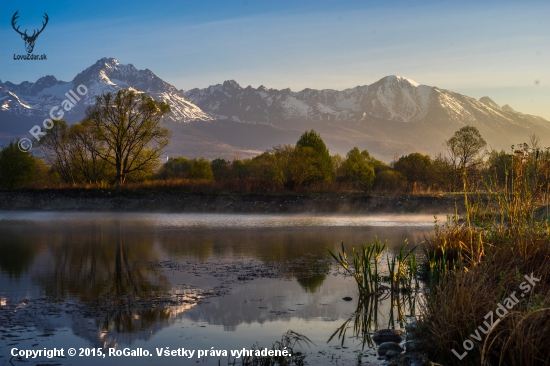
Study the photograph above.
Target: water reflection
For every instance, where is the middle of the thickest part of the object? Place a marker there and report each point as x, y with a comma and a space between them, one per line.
94, 261
368, 318
120, 279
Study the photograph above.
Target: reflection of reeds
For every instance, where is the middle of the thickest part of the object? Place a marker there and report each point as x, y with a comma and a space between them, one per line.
365, 269
365, 319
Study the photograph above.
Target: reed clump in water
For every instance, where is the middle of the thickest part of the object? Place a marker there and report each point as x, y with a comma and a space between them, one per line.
478, 263
364, 266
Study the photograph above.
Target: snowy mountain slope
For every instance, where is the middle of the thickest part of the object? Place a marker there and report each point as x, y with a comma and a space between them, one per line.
392, 98
34, 100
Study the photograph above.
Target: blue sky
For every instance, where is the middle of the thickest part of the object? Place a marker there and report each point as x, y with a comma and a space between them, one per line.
496, 48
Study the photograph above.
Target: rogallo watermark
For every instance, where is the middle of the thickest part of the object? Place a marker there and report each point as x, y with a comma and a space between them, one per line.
501, 311
56, 113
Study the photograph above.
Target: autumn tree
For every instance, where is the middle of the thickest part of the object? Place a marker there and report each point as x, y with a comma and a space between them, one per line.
187, 168
357, 169
415, 168
72, 151
319, 166
128, 124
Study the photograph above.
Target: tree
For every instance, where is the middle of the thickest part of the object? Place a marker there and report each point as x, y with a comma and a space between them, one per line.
389, 180
201, 169
465, 146
282, 159
185, 168
414, 167
17, 167
55, 147
83, 150
321, 168
379, 166
357, 169
72, 151
442, 173
128, 124
219, 169
306, 167
464, 149
500, 166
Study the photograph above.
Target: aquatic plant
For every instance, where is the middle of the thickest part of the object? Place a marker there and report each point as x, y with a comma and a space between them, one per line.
401, 274
363, 266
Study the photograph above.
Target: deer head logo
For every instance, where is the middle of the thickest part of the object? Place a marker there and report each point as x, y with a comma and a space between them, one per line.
29, 40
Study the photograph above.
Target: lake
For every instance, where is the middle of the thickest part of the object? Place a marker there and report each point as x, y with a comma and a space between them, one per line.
147, 281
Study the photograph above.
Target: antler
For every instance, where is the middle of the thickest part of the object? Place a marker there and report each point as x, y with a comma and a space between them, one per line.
15, 16
34, 35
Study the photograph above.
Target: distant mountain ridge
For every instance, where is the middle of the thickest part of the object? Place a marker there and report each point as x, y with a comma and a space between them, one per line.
392, 98
392, 116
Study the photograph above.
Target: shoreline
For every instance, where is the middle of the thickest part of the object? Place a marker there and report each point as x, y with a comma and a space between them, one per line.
173, 201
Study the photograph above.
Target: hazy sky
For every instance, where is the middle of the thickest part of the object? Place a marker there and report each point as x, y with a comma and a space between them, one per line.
497, 48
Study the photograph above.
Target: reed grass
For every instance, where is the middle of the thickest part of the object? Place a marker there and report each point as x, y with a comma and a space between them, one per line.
478, 259
364, 266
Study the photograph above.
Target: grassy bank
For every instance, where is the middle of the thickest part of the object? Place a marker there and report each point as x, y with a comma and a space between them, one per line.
489, 275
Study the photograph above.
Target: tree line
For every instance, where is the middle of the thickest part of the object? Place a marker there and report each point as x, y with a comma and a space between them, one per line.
121, 140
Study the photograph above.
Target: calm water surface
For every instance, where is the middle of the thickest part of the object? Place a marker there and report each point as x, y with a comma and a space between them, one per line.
187, 280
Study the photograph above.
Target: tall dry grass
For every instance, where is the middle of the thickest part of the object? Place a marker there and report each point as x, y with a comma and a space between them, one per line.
478, 261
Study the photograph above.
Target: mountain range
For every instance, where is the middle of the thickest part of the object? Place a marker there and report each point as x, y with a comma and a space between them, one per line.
390, 117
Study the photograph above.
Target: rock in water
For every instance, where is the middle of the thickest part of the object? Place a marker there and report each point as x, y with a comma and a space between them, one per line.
347, 298
389, 346
387, 335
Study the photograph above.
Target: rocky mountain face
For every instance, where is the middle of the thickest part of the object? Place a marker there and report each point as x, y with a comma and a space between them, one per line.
390, 117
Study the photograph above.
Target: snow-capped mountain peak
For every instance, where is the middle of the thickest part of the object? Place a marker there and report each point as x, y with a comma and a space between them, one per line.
489, 102
104, 76
399, 79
